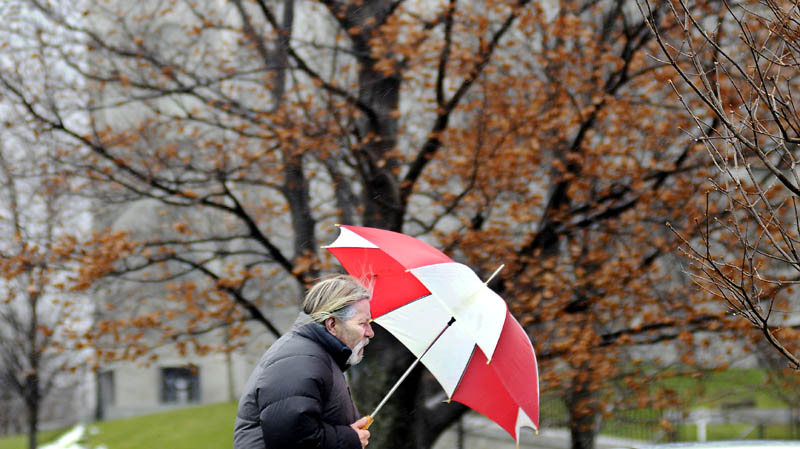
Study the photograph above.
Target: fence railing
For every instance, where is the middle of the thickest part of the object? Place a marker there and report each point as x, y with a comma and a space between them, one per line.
691, 425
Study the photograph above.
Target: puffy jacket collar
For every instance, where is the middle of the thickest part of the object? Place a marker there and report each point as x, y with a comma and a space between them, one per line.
338, 350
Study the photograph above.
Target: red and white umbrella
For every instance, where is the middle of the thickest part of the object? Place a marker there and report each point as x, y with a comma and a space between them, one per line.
482, 357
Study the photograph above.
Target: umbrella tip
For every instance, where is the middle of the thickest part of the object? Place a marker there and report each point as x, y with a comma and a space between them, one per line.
494, 274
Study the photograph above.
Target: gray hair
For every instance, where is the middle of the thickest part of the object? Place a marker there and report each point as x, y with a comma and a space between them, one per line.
334, 297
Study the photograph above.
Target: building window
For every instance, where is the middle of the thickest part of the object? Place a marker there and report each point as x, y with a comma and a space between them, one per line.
180, 385
107, 392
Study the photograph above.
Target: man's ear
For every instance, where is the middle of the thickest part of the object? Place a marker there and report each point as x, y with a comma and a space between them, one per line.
330, 323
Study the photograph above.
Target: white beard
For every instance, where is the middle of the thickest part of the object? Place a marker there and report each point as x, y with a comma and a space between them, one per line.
357, 354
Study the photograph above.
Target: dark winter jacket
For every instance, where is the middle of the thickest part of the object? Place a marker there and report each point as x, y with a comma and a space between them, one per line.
297, 396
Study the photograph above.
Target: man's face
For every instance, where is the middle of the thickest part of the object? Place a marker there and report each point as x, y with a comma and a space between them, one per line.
356, 331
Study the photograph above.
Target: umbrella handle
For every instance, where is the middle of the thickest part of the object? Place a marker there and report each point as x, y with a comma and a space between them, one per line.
370, 420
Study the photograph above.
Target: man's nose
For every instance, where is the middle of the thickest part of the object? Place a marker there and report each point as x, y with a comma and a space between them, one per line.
369, 333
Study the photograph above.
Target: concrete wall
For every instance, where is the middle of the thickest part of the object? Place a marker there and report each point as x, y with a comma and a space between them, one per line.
137, 387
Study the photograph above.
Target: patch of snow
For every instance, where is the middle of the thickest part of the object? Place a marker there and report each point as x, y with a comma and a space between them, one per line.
70, 440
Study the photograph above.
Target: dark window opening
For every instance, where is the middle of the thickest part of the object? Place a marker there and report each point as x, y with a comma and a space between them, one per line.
180, 385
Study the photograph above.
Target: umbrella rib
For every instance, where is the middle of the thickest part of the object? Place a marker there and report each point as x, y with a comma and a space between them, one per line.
410, 368
474, 347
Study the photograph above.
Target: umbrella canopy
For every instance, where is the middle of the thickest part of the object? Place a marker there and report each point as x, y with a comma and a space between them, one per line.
484, 360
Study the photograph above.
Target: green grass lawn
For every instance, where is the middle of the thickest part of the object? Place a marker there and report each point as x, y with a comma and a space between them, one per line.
191, 428
203, 427
21, 441
724, 387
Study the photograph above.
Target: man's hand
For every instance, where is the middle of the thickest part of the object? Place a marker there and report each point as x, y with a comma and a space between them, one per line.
363, 435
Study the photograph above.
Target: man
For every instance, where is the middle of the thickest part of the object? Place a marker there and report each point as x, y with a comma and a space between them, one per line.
297, 396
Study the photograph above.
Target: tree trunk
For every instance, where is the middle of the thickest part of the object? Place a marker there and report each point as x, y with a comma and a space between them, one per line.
33, 428
400, 422
296, 190
583, 422
383, 206
32, 392
582, 431
32, 409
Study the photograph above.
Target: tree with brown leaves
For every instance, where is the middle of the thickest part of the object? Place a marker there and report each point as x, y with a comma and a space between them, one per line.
43, 316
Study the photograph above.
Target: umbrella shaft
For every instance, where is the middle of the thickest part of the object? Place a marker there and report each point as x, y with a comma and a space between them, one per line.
410, 368
396, 385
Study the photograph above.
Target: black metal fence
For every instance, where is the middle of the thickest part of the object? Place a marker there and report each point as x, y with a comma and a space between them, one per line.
739, 422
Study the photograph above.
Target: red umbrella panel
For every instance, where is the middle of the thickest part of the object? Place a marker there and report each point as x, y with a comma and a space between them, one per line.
417, 290
385, 267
